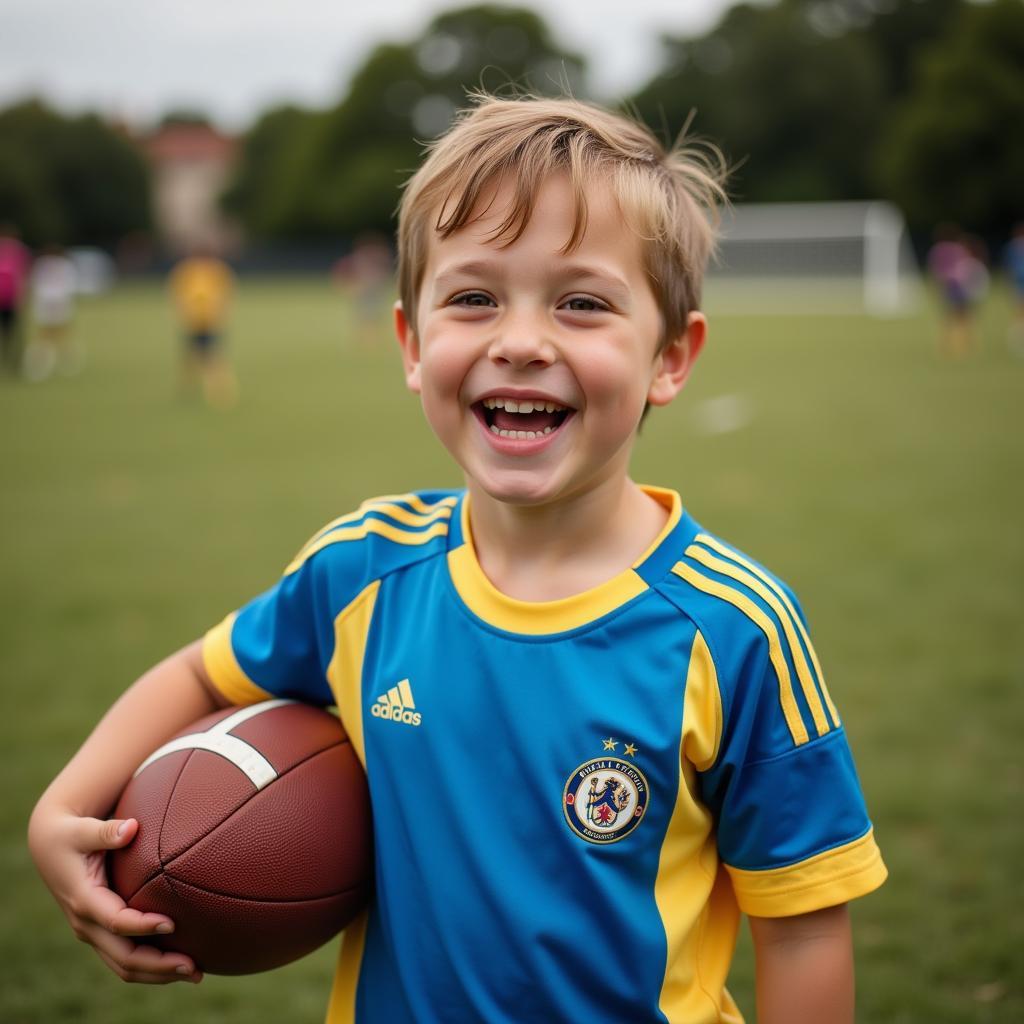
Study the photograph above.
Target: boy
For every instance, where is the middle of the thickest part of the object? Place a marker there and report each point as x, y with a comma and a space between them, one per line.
593, 733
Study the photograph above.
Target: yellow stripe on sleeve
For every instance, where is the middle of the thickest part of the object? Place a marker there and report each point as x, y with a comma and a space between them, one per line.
790, 711
803, 672
377, 526
223, 669
826, 880
703, 538
385, 505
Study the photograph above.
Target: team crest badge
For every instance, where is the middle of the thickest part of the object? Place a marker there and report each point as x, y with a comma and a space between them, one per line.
604, 799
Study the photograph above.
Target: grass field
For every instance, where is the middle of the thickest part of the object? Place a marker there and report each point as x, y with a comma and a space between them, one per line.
884, 483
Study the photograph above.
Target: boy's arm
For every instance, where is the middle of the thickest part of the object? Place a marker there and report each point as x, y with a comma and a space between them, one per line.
804, 967
68, 838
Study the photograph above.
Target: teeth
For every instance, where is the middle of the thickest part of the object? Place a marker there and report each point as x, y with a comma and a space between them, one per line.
524, 406
521, 435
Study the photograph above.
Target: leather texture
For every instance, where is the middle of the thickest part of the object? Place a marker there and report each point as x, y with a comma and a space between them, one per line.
253, 879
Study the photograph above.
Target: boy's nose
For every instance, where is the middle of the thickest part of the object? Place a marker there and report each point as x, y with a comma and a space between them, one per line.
522, 342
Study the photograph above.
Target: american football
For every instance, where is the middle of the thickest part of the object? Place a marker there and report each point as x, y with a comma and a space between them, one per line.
254, 836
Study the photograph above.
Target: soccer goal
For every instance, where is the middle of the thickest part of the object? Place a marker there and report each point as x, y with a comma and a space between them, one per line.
814, 258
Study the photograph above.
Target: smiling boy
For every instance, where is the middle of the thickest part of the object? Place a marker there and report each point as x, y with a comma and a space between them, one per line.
593, 732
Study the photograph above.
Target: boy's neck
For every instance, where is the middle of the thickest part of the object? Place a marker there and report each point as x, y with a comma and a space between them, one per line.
555, 551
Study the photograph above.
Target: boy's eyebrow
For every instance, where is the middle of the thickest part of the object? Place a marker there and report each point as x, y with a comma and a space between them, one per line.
469, 268
607, 278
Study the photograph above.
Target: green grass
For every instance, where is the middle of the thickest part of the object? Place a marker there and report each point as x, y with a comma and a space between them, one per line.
884, 483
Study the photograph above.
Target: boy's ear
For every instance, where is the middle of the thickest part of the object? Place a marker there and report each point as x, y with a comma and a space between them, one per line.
675, 361
410, 346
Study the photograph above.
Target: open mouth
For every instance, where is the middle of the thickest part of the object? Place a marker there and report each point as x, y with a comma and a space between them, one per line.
524, 418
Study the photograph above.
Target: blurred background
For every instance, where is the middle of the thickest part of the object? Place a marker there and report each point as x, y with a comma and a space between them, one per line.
196, 219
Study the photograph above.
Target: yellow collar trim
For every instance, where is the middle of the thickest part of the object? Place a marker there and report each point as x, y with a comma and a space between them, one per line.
540, 617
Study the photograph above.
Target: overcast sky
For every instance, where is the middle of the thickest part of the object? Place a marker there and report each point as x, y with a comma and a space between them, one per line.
232, 58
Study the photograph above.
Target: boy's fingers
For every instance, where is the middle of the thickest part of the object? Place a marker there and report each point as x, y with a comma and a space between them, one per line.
135, 922
94, 834
142, 977
130, 960
109, 911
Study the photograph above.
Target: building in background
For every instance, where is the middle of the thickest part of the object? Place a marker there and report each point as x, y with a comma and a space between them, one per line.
191, 165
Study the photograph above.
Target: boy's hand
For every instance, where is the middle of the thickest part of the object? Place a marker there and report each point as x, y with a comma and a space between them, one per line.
70, 852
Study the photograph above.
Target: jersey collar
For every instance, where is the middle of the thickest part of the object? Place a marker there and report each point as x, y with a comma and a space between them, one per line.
546, 617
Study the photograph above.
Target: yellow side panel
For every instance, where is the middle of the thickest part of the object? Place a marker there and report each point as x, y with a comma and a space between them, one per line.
345, 674
342, 1006
692, 892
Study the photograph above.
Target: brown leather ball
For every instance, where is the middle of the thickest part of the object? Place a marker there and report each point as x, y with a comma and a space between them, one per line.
255, 837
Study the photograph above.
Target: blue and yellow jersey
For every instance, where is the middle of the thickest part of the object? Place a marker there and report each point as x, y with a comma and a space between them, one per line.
573, 800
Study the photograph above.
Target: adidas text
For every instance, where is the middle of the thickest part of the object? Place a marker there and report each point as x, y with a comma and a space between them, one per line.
396, 714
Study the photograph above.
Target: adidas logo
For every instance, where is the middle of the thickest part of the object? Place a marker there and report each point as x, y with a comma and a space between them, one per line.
397, 705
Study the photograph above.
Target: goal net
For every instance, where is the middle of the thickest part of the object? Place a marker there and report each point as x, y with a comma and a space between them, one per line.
814, 258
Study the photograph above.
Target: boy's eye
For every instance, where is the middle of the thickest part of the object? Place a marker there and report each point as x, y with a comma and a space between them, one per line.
584, 304
472, 299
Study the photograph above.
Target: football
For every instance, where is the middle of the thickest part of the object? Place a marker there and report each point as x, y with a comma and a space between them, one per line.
254, 837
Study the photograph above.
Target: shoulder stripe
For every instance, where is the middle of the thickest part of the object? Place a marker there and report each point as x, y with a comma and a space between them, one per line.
711, 542
422, 514
790, 711
415, 502
803, 672
368, 526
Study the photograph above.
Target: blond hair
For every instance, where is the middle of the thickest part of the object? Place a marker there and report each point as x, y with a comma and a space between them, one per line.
669, 196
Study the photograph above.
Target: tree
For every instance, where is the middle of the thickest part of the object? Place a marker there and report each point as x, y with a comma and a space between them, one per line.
343, 170
897, 30
69, 180
954, 149
793, 104
271, 150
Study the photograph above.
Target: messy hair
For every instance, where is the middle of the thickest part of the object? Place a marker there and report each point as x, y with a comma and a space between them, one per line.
669, 196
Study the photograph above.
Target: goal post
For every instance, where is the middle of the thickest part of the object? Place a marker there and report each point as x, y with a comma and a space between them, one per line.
814, 257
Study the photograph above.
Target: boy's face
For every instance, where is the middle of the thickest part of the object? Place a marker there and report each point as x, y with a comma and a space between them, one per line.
533, 366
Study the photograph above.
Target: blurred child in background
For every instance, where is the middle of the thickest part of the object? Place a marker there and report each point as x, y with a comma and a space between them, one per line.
956, 262
14, 263
54, 284
368, 273
1014, 258
201, 288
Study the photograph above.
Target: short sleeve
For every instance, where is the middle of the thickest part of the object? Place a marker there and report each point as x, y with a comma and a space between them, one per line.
283, 643
276, 645
792, 827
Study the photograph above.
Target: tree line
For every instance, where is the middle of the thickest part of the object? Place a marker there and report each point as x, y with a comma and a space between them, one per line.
917, 101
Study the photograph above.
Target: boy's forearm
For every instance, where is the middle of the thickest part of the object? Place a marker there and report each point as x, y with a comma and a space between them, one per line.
805, 968
167, 698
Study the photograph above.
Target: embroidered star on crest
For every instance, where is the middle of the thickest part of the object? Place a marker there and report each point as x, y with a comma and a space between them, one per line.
629, 749
610, 744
